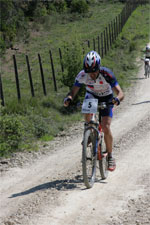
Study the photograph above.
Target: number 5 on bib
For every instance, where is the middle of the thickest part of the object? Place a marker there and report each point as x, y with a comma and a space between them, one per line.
89, 106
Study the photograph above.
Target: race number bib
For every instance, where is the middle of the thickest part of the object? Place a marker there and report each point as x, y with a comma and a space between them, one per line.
89, 106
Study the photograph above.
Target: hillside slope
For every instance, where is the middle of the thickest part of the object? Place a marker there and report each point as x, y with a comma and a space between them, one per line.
50, 190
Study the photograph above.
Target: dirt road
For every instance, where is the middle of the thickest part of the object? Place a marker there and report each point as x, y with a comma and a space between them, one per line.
50, 189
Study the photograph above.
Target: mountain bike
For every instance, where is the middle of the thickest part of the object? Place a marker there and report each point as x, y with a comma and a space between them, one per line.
147, 67
93, 143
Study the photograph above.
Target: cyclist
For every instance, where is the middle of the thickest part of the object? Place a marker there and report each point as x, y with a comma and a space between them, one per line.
147, 51
146, 55
100, 83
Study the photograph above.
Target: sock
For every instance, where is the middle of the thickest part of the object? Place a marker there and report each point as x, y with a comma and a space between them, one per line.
109, 154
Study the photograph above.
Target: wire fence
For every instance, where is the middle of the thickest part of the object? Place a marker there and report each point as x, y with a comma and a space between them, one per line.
102, 44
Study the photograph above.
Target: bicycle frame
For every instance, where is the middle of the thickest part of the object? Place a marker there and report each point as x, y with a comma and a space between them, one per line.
94, 126
93, 144
98, 128
147, 67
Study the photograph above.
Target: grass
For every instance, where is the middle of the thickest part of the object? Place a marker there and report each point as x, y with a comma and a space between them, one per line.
135, 34
43, 117
52, 35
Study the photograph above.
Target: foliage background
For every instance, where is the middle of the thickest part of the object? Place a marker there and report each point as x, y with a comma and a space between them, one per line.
16, 15
43, 117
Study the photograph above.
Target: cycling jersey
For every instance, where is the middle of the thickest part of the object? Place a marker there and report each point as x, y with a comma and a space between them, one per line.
102, 86
147, 53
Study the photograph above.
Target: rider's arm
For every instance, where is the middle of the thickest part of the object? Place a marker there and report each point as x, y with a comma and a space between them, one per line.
111, 79
77, 85
119, 93
71, 95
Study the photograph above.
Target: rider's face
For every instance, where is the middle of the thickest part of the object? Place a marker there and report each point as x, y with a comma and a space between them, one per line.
94, 75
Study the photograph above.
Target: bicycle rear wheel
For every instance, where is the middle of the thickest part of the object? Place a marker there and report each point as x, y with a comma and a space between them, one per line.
146, 71
89, 158
103, 163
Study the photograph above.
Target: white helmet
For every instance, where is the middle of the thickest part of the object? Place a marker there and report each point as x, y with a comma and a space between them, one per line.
92, 62
147, 47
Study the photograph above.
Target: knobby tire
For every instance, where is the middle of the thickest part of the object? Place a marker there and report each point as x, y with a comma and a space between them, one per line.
146, 71
89, 158
103, 163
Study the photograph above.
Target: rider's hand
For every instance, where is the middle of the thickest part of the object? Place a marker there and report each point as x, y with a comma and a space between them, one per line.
116, 101
67, 101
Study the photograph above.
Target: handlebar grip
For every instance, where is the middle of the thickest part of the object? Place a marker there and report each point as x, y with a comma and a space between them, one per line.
116, 100
67, 101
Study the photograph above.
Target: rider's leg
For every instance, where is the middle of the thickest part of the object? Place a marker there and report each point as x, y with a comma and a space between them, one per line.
106, 122
145, 69
87, 117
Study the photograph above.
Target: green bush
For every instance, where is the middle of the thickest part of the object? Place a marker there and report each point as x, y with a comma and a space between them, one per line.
40, 125
132, 46
60, 5
13, 22
79, 6
92, 2
73, 64
2, 45
72, 61
11, 133
40, 13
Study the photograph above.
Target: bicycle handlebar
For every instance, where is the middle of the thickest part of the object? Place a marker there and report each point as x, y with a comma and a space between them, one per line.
103, 105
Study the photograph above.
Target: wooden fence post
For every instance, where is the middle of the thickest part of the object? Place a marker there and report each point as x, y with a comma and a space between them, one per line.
30, 76
107, 41
126, 12
121, 20
98, 45
61, 63
117, 26
102, 52
53, 71
94, 44
110, 41
83, 50
112, 32
1, 92
17, 78
123, 17
42, 75
119, 23
105, 50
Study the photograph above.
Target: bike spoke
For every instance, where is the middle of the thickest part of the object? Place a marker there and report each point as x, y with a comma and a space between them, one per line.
89, 159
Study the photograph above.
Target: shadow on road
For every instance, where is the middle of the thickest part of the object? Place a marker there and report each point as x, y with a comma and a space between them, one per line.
138, 78
141, 103
67, 184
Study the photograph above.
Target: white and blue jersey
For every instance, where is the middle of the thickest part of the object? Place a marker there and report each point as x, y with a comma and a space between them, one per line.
100, 88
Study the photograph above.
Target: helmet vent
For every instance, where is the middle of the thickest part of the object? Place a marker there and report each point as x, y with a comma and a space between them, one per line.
92, 62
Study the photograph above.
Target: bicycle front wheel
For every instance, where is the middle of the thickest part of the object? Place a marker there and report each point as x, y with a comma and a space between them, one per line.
146, 71
89, 157
103, 163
